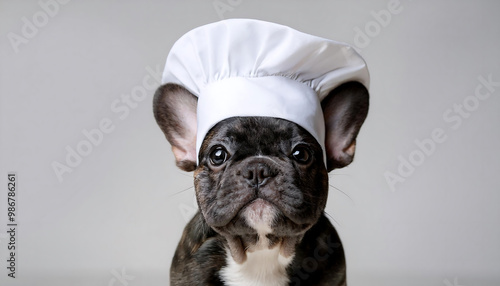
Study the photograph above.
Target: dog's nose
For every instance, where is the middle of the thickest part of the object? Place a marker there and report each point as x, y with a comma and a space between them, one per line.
257, 173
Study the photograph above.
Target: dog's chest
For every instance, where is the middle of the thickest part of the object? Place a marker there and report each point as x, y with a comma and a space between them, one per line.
265, 267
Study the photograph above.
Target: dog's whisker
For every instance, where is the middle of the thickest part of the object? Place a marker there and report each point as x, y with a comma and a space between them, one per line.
339, 174
179, 192
339, 190
185, 174
332, 218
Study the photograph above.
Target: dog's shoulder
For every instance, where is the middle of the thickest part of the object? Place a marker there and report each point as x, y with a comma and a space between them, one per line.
199, 256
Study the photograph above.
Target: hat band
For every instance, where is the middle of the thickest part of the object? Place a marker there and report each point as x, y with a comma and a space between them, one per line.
269, 96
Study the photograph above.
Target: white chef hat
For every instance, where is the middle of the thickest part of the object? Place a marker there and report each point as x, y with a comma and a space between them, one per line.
243, 67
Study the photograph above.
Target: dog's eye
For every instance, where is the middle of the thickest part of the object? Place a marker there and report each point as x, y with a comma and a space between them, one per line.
218, 156
301, 154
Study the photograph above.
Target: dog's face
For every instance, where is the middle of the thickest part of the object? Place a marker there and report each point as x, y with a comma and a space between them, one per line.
261, 178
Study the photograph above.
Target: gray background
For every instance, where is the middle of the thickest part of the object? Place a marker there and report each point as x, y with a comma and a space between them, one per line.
117, 217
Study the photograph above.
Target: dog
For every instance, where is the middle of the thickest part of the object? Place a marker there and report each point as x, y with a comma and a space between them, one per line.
261, 184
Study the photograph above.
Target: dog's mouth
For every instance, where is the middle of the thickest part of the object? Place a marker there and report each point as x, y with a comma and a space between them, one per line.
260, 224
262, 217
259, 214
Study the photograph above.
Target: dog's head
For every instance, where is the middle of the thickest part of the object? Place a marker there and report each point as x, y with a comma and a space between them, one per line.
261, 181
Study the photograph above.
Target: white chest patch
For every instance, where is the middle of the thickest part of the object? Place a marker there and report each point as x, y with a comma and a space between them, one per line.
264, 267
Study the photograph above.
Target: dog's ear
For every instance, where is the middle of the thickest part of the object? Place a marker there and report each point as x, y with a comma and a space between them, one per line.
174, 109
345, 109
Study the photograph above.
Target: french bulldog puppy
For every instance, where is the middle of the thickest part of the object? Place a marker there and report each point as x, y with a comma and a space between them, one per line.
261, 184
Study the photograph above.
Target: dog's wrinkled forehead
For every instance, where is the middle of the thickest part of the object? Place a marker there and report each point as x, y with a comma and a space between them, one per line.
250, 136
